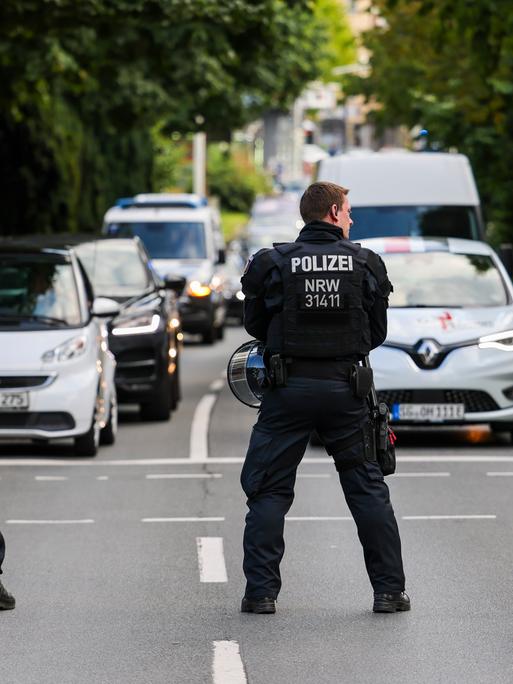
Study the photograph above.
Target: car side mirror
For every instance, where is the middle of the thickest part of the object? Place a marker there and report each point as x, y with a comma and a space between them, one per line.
104, 307
176, 283
221, 256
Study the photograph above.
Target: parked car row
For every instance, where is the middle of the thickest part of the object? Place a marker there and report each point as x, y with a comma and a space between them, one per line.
84, 324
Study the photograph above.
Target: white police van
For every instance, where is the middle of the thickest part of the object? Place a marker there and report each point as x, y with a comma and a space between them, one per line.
402, 193
182, 233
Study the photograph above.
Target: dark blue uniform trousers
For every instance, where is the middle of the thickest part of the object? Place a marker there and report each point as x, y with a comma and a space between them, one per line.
278, 442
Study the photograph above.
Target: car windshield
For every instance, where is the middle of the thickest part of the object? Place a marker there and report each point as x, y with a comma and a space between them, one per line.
444, 279
114, 267
169, 240
431, 221
37, 293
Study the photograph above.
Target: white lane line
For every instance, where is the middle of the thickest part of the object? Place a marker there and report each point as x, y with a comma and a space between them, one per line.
217, 385
449, 517
212, 567
228, 460
316, 518
183, 476
198, 449
314, 475
227, 667
50, 478
421, 475
102, 477
506, 473
50, 522
152, 520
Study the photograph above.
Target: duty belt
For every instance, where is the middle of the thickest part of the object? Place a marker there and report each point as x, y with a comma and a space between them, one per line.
321, 369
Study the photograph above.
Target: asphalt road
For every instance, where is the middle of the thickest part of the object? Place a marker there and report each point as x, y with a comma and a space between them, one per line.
127, 567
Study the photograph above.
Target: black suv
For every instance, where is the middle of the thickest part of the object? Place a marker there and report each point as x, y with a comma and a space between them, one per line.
145, 336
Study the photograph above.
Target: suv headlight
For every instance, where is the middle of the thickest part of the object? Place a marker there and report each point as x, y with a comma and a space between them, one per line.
196, 289
143, 324
500, 340
66, 351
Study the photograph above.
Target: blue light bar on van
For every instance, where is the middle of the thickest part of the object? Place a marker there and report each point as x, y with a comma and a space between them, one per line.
125, 202
162, 200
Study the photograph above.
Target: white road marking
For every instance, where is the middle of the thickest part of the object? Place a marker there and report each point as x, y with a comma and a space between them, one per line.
50, 522
227, 667
317, 518
506, 473
198, 449
217, 385
50, 478
226, 460
152, 520
212, 567
102, 477
183, 476
421, 475
449, 517
314, 475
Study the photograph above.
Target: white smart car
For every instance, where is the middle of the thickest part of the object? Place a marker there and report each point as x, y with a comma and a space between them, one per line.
56, 371
448, 356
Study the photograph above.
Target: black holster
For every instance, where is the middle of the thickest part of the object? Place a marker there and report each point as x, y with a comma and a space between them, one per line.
277, 371
384, 439
361, 378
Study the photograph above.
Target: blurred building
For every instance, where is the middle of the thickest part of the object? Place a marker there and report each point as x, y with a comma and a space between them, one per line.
321, 122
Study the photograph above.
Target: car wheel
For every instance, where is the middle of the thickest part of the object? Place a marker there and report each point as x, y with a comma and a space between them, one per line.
88, 443
109, 432
159, 407
209, 336
175, 389
220, 332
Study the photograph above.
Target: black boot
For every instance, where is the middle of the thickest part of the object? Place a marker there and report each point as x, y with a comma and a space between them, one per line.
7, 601
390, 603
260, 605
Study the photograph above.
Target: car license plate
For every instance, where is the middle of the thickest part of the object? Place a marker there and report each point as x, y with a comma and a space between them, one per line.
432, 413
14, 401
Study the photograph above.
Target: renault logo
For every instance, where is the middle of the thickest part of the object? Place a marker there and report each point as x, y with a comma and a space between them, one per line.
428, 351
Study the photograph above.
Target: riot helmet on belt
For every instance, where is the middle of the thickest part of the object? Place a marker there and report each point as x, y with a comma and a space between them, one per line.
247, 374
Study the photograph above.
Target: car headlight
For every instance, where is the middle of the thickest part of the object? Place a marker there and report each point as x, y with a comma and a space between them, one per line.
196, 289
66, 351
240, 295
500, 340
143, 324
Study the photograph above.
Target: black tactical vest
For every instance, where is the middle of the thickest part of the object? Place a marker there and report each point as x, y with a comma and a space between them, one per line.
323, 314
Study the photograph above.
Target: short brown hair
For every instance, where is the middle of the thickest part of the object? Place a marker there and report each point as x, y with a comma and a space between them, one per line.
318, 198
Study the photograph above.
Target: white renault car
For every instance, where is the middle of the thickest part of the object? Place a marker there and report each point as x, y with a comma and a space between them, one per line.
448, 356
56, 371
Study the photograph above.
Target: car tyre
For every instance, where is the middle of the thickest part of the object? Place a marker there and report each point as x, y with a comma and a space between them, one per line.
88, 443
109, 432
159, 407
175, 389
220, 332
209, 336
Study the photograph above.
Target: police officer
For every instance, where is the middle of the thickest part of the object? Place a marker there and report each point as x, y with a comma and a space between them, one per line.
7, 601
319, 304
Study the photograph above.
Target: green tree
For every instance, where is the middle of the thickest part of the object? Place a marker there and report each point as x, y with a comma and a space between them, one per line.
339, 47
448, 66
84, 83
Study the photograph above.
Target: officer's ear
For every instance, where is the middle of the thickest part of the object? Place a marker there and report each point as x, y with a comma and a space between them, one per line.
333, 212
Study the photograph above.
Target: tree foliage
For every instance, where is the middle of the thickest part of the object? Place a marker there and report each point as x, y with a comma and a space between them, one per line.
448, 66
84, 83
